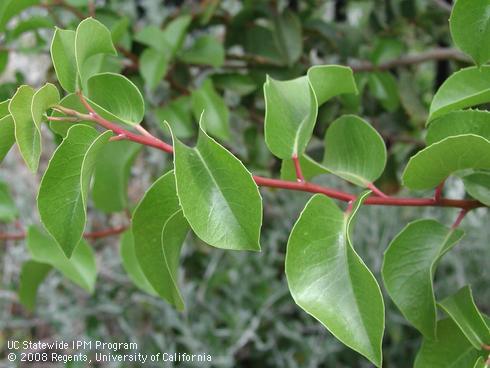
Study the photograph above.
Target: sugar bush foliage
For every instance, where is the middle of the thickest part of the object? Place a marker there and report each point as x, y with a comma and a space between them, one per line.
97, 110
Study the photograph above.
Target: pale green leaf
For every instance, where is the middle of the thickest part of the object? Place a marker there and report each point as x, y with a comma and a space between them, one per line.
62, 196
27, 134
8, 210
153, 37
63, 57
31, 24
206, 50
218, 195
116, 98
288, 36
153, 66
354, 150
330, 281
4, 108
241, 84
463, 311
408, 269
309, 168
466, 88
383, 86
433, 164
111, 175
44, 98
175, 31
10, 8
477, 184
177, 113
32, 275
7, 135
159, 231
328, 81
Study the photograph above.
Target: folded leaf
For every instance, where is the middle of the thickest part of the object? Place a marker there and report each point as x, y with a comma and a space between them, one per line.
7, 135
477, 184
62, 196
408, 269
159, 231
463, 311
63, 57
330, 281
354, 150
32, 275
44, 98
218, 195
329, 81
433, 164
27, 134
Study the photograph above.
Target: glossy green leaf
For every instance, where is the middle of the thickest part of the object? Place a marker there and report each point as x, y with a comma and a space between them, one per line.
466, 88
27, 134
116, 97
63, 57
179, 116
330, 281
206, 50
10, 8
111, 175
354, 150
7, 135
131, 265
475, 122
153, 67
470, 28
8, 210
44, 98
207, 102
159, 231
451, 350
463, 311
309, 168
92, 38
62, 196
433, 164
288, 36
218, 195
32, 275
408, 269
477, 184
329, 81
80, 268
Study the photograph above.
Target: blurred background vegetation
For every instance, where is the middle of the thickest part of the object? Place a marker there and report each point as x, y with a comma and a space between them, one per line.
238, 308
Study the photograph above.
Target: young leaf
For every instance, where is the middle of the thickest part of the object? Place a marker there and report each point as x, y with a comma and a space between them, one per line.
408, 268
465, 88
116, 97
463, 311
92, 38
329, 81
45, 98
7, 135
131, 265
71, 101
475, 122
27, 134
63, 191
467, 151
470, 29
81, 268
218, 195
288, 36
32, 275
159, 231
207, 102
330, 281
451, 349
63, 57
111, 175
477, 184
8, 211
309, 167
354, 150
206, 50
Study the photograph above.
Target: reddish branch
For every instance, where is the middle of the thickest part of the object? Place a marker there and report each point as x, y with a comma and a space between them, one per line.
89, 235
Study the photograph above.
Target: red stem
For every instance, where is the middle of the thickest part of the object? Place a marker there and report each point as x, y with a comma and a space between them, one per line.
375, 190
460, 218
297, 168
438, 191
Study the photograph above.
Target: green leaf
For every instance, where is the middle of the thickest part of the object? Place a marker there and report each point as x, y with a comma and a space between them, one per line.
451, 350
153, 37
480, 363
178, 115
354, 150
408, 269
242, 84
470, 28
383, 86
4, 108
80, 268
7, 135
466, 88
433, 164
462, 309
175, 31
10, 8
71, 101
27, 134
64, 61
111, 175
116, 98
131, 265
477, 184
288, 36
330, 281
45, 98
159, 231
475, 122
329, 81
206, 50
309, 167
62, 196
153, 66
218, 195
8, 211
31, 24
32, 275
207, 102
92, 38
